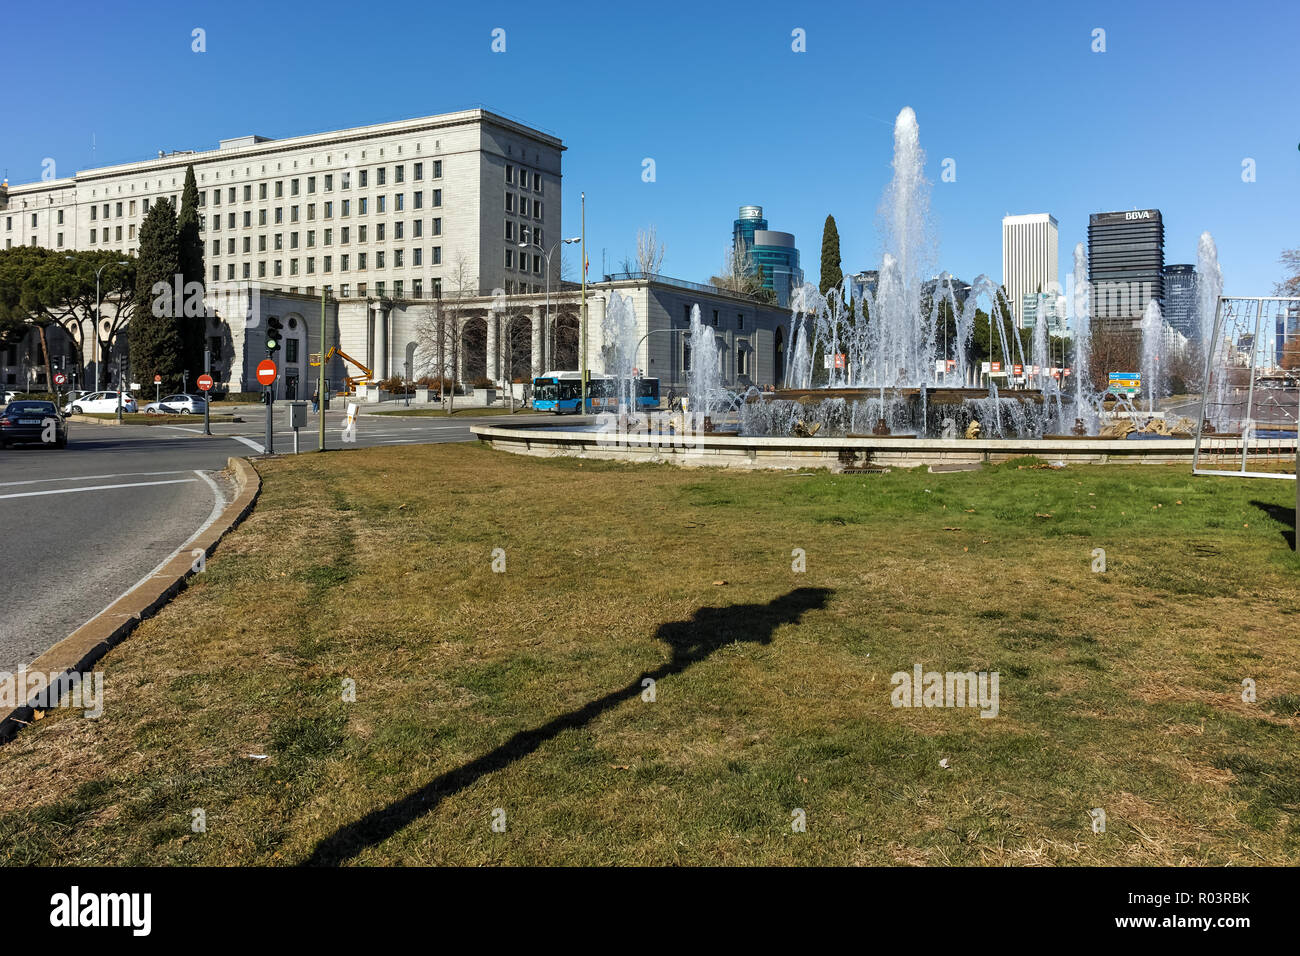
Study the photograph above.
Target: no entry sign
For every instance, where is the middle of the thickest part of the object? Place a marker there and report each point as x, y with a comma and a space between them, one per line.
157, 379
204, 382
266, 371
59, 378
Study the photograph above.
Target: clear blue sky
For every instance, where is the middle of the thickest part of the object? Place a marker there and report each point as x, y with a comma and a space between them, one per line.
1035, 121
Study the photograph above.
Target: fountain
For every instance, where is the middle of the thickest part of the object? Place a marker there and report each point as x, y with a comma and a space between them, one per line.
619, 334
1152, 333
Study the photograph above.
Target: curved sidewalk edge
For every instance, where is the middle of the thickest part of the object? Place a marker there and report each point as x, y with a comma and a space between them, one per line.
77, 653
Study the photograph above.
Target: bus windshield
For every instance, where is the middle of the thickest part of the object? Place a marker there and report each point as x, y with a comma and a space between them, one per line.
546, 390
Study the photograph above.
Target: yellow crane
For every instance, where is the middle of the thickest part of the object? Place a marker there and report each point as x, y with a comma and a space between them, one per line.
352, 380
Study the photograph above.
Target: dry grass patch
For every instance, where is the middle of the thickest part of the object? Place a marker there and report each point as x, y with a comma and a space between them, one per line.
522, 691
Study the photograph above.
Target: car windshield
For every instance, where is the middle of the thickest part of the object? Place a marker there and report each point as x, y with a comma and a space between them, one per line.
31, 408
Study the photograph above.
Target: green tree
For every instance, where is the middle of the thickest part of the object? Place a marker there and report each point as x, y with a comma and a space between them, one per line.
157, 347
40, 288
831, 274
190, 243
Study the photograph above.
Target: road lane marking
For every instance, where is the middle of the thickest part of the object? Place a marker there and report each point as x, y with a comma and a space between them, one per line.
68, 491
125, 474
249, 442
217, 507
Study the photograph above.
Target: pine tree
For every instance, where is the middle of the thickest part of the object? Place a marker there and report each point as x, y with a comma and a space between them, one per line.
831, 274
190, 250
155, 333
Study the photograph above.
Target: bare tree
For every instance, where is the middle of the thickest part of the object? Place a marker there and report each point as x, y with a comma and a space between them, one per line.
1290, 258
440, 329
649, 250
738, 272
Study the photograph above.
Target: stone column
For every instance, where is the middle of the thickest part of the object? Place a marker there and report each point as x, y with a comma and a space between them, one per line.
539, 318
382, 319
493, 352
458, 352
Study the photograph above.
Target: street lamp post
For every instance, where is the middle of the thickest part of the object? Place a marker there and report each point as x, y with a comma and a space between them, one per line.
98, 305
546, 327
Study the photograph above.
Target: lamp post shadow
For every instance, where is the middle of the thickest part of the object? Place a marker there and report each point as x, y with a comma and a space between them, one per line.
691, 641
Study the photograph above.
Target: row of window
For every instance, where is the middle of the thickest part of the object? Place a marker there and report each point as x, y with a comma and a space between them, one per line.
327, 181
527, 207
345, 209
740, 318
523, 261
518, 176
417, 289
327, 263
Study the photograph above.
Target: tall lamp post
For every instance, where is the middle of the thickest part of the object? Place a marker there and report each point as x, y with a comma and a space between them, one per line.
547, 255
98, 304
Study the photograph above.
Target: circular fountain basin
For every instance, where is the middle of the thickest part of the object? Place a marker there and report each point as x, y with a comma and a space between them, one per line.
839, 454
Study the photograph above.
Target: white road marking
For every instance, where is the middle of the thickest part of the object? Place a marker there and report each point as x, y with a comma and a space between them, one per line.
125, 474
249, 442
68, 491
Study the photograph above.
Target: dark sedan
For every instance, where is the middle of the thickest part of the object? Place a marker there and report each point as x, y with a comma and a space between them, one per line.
33, 422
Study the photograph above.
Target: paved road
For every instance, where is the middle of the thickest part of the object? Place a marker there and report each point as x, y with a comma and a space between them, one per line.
81, 526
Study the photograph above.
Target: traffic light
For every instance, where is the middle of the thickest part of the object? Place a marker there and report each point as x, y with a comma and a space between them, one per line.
272, 333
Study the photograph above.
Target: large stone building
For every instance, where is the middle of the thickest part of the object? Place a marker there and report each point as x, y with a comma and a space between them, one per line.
392, 211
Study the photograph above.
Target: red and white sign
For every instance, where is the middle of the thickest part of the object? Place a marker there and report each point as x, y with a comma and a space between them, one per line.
157, 379
59, 378
1018, 369
997, 366
839, 360
266, 371
205, 382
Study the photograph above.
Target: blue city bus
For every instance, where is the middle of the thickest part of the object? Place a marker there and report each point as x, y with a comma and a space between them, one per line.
561, 393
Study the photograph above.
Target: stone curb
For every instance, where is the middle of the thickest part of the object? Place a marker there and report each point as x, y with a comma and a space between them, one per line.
79, 652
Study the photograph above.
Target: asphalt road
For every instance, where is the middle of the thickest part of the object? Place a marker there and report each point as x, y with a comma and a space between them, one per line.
81, 526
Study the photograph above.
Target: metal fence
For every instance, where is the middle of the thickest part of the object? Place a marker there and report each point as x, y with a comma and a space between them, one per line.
1250, 402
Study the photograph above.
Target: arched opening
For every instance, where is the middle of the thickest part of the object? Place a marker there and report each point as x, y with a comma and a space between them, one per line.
778, 357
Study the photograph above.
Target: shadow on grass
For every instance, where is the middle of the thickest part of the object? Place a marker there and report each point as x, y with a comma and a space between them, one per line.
691, 641
1282, 515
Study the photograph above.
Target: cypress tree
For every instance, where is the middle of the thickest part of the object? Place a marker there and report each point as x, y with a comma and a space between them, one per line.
155, 333
190, 242
831, 274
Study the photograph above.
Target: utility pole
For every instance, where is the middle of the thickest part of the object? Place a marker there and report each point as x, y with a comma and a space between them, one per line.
583, 405
320, 388
121, 384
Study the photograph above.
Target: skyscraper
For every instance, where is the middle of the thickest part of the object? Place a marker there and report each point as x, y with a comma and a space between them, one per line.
1180, 309
1029, 258
1126, 258
773, 252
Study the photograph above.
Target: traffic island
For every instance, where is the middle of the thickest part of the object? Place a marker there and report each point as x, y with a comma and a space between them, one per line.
638, 664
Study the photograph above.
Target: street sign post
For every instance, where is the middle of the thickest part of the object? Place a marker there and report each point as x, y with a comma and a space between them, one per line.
157, 388
205, 385
266, 372
1124, 383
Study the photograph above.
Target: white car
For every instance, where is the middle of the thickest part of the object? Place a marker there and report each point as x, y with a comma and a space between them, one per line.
100, 402
178, 404
7, 396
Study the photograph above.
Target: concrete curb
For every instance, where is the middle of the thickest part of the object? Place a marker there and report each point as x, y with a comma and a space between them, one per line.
79, 652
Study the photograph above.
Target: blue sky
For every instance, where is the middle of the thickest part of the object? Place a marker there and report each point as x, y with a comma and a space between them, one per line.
1035, 121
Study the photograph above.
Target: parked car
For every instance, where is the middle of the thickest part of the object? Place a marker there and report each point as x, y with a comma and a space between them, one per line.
100, 402
178, 404
7, 396
28, 422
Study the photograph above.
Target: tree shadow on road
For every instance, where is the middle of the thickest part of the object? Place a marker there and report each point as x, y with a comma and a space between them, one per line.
691, 642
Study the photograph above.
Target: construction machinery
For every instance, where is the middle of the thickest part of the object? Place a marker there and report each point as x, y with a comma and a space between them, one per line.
352, 380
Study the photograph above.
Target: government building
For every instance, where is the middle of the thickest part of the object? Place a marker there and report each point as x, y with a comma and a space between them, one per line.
435, 239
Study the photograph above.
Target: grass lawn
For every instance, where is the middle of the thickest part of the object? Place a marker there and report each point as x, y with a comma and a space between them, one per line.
468, 412
522, 691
